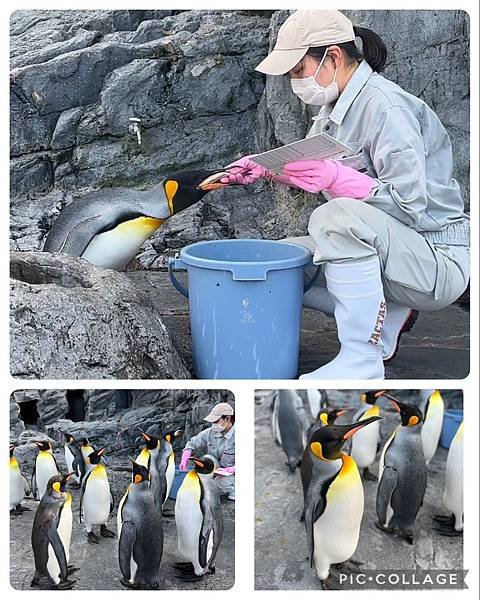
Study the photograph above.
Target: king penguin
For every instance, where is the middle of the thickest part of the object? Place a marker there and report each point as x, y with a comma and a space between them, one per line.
199, 520
402, 474
107, 227
19, 487
432, 407
51, 534
96, 501
162, 465
288, 426
45, 467
140, 534
86, 449
73, 458
326, 416
365, 444
452, 525
334, 501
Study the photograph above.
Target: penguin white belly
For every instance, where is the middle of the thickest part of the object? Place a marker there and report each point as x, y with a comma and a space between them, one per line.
189, 519
453, 493
364, 445
45, 468
17, 486
431, 430
314, 398
69, 458
170, 473
64, 530
115, 248
336, 531
96, 501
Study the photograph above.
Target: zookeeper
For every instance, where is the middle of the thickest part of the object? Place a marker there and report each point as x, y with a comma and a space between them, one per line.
393, 238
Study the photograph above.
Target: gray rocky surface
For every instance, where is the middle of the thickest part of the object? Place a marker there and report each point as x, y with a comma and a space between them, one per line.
278, 502
72, 320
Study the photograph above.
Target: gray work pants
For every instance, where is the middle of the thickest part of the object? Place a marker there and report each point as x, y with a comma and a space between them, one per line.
415, 272
226, 485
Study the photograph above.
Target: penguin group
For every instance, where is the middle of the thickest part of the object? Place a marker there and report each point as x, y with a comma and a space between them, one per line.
341, 446
140, 512
107, 227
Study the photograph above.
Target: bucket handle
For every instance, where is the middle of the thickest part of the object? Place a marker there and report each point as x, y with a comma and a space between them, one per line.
176, 264
312, 281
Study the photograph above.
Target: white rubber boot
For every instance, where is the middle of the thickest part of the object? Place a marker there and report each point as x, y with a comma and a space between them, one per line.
399, 320
360, 310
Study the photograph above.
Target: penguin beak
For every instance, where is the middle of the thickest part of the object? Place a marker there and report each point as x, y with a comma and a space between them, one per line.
340, 413
147, 437
69, 475
178, 432
199, 463
212, 182
380, 393
396, 404
352, 429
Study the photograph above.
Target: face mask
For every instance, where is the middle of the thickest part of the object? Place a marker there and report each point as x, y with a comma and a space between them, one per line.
218, 427
308, 90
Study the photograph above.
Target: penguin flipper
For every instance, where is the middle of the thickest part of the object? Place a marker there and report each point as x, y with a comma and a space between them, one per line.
33, 484
125, 548
57, 545
112, 501
313, 511
386, 487
26, 486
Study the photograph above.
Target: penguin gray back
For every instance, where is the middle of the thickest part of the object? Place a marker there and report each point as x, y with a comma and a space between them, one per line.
289, 425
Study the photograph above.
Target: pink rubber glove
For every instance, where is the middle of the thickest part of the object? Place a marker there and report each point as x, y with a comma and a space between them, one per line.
330, 176
186, 454
229, 469
245, 171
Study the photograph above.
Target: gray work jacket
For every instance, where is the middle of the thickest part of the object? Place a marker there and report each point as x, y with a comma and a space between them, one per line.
219, 445
398, 140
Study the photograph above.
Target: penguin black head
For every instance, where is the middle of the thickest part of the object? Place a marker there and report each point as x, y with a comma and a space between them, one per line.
84, 442
185, 188
170, 435
326, 443
327, 416
410, 415
139, 473
43, 445
57, 484
372, 396
68, 436
204, 465
151, 441
12, 448
96, 456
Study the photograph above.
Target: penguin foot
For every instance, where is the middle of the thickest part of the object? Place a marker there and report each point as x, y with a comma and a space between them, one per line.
66, 584
448, 531
92, 538
183, 566
378, 525
74, 485
450, 519
127, 584
369, 476
212, 569
168, 513
104, 532
72, 568
328, 583
190, 577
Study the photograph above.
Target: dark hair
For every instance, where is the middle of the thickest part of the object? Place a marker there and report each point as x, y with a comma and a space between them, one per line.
374, 50
232, 418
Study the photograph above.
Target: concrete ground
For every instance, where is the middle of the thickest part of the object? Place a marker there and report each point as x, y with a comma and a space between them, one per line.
429, 351
98, 563
281, 554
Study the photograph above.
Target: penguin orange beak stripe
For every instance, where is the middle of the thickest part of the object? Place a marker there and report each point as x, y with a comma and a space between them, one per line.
380, 393
341, 412
359, 425
147, 437
211, 182
199, 463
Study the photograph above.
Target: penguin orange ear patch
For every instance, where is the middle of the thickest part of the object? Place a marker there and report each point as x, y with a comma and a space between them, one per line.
413, 420
171, 187
56, 486
324, 418
316, 448
168, 438
137, 479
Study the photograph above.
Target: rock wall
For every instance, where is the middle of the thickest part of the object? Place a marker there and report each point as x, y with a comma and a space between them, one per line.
78, 76
110, 417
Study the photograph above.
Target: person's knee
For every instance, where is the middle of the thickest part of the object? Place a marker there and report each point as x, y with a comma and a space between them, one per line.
334, 217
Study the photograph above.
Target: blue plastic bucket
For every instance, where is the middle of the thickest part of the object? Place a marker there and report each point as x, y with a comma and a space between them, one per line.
245, 300
176, 483
451, 422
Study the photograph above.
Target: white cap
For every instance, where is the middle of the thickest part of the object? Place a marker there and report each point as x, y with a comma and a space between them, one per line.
219, 410
302, 30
